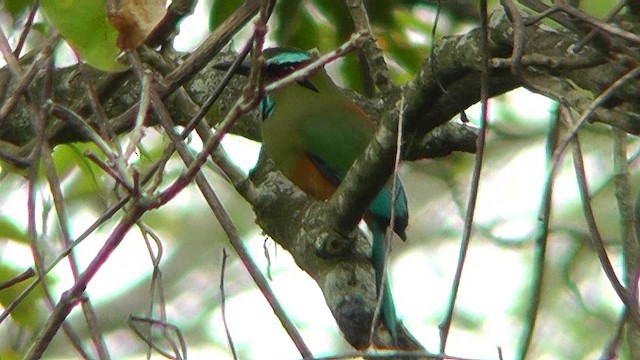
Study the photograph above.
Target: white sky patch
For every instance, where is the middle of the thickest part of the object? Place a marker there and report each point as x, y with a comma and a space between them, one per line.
194, 28
513, 191
249, 314
242, 151
528, 105
486, 293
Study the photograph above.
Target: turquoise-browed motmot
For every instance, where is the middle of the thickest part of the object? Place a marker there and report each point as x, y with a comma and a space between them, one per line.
313, 133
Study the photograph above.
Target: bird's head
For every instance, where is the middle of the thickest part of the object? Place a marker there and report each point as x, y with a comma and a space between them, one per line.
278, 62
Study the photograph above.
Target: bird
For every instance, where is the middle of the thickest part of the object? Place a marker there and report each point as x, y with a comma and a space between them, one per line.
314, 133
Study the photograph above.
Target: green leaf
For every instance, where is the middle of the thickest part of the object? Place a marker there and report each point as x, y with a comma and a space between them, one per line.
86, 183
220, 10
27, 313
338, 17
9, 354
296, 27
17, 7
9, 230
85, 26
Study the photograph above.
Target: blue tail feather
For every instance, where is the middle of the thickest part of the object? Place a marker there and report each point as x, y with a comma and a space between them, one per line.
378, 257
378, 218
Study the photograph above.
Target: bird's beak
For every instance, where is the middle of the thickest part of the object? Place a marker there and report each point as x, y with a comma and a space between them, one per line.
243, 69
306, 83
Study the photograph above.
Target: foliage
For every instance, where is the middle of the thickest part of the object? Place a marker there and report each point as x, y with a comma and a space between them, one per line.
110, 178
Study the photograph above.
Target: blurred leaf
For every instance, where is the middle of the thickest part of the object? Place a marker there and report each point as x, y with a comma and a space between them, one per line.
220, 10
352, 73
338, 16
17, 8
296, 27
69, 158
380, 12
598, 9
9, 354
27, 313
9, 230
85, 26
7, 168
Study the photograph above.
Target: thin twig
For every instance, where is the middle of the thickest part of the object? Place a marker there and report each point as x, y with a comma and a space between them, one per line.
475, 179
179, 350
9, 57
595, 104
26, 29
585, 40
215, 94
119, 168
63, 219
604, 26
70, 297
518, 34
211, 45
156, 287
596, 238
101, 117
610, 352
374, 55
25, 275
21, 86
136, 134
223, 306
541, 240
38, 258
630, 243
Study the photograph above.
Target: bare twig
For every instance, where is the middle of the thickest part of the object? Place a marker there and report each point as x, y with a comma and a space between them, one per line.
212, 45
26, 29
223, 307
27, 274
63, 220
475, 179
604, 26
156, 288
176, 12
518, 34
630, 243
370, 47
596, 239
585, 40
179, 349
215, 94
595, 104
541, 239
138, 131
71, 297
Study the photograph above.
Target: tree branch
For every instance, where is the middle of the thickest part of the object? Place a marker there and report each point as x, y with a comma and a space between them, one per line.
437, 93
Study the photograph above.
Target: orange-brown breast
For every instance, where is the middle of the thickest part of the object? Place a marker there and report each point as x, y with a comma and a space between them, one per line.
308, 178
